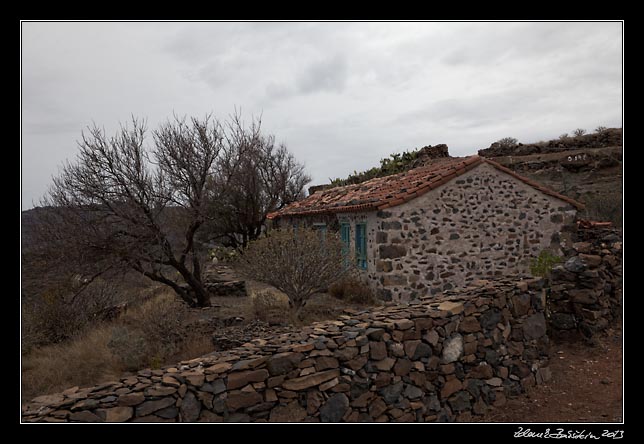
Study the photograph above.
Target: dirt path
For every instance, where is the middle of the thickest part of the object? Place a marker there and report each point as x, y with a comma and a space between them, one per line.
586, 386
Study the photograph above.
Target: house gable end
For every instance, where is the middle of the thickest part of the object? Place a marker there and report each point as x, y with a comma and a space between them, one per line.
484, 224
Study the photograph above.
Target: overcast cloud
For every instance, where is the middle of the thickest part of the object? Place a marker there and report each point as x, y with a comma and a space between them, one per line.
340, 95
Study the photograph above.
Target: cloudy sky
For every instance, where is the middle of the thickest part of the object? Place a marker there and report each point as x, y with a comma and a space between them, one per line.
340, 95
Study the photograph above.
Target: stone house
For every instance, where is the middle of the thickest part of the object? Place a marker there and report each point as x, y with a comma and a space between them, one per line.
439, 226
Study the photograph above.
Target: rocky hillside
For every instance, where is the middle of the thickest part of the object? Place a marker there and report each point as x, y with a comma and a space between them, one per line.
587, 168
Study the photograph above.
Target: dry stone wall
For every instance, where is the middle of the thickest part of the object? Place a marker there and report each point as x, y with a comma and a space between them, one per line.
434, 360
585, 293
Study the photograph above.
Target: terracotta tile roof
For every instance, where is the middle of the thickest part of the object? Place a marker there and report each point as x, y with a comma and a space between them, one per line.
590, 224
389, 191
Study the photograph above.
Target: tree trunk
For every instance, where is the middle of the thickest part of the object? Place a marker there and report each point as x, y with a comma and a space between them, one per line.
244, 239
196, 267
184, 295
297, 305
202, 295
177, 289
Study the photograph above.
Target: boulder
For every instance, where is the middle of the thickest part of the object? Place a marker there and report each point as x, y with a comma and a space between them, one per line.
534, 326
190, 408
149, 407
575, 265
283, 362
452, 348
240, 379
335, 408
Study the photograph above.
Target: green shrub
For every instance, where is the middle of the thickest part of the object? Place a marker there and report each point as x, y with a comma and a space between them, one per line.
395, 163
541, 266
223, 254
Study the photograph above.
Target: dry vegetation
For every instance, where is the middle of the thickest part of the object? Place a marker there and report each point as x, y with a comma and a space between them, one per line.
67, 340
82, 361
270, 305
352, 289
299, 262
162, 330
56, 315
147, 335
603, 207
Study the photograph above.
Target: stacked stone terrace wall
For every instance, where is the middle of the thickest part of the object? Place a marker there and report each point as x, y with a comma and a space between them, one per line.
585, 292
442, 359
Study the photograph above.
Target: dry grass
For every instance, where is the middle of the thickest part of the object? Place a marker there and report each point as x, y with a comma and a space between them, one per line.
270, 306
603, 207
151, 334
352, 289
154, 333
323, 306
194, 346
82, 361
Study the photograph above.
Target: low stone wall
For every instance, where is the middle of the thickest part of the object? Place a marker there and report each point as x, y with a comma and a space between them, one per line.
222, 288
228, 288
434, 360
585, 293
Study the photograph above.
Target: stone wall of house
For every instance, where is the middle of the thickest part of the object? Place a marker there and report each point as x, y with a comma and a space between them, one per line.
482, 224
585, 291
434, 360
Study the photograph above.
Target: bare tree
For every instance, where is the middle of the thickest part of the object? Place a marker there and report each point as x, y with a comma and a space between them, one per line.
123, 203
507, 142
115, 205
579, 132
298, 262
254, 176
